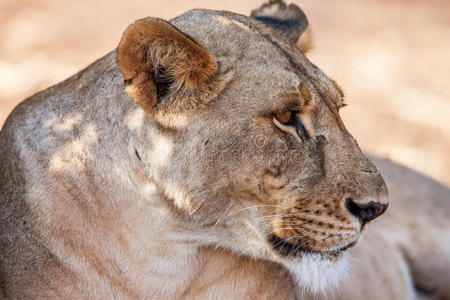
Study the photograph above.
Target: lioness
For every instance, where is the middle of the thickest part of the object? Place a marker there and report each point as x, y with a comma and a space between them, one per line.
206, 140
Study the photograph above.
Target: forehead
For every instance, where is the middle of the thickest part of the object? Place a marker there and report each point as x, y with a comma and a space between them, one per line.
265, 66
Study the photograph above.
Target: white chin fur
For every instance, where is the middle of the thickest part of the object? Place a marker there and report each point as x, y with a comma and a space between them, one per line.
317, 275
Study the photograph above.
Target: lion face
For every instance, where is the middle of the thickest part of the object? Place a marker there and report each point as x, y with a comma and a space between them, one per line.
248, 146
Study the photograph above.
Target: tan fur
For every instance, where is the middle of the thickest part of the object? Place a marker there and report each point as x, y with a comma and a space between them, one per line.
115, 190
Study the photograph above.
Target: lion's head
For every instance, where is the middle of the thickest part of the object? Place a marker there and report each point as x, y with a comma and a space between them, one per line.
246, 142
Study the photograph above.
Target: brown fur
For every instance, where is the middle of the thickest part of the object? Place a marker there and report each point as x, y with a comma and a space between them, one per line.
153, 51
112, 196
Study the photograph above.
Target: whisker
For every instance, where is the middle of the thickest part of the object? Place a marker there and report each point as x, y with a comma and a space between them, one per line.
224, 215
229, 213
281, 241
275, 215
263, 220
260, 206
279, 229
294, 250
266, 226
307, 242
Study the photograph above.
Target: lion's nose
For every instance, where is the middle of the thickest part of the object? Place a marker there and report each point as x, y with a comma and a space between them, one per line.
365, 212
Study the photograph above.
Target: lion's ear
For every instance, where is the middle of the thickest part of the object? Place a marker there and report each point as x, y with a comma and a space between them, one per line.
156, 59
288, 22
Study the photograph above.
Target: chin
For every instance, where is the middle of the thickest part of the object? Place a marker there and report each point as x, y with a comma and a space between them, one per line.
318, 273
315, 271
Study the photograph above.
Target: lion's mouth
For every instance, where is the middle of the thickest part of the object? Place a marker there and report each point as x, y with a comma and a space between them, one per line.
288, 249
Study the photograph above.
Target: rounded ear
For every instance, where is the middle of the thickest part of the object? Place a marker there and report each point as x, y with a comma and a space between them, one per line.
157, 60
289, 22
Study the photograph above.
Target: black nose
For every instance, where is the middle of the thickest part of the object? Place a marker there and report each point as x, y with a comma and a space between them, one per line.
365, 212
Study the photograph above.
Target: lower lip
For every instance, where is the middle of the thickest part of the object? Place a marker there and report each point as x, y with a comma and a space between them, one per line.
335, 252
352, 244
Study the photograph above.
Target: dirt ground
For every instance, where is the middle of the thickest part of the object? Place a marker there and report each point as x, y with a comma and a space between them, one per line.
392, 57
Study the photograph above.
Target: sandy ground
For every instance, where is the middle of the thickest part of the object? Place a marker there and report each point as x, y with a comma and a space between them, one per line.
391, 57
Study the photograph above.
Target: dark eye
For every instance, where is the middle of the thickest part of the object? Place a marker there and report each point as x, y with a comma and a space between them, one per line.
289, 120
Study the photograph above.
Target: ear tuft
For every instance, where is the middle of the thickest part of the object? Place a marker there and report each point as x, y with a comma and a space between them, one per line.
156, 59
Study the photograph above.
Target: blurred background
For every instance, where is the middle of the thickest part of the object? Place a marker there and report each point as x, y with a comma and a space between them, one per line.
392, 58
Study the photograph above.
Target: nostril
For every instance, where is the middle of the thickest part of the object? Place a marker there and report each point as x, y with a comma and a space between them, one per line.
352, 207
365, 212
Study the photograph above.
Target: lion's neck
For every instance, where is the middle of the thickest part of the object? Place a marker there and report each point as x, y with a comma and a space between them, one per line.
106, 222
101, 217
124, 243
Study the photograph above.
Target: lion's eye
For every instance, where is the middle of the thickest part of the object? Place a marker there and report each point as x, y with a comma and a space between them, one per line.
284, 117
291, 122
